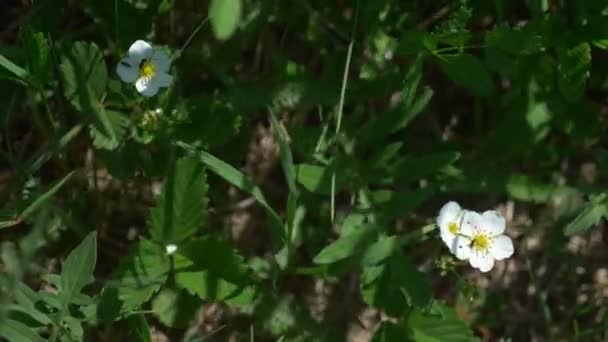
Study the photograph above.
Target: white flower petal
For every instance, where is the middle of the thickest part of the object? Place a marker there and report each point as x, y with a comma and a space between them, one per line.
170, 249
469, 223
448, 213
161, 60
162, 79
461, 247
447, 237
127, 69
493, 222
146, 86
482, 261
140, 50
501, 247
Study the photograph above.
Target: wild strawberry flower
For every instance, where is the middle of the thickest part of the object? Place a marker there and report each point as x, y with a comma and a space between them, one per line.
449, 221
146, 66
477, 237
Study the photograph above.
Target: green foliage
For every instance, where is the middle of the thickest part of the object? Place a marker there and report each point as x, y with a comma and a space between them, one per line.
225, 16
287, 182
181, 208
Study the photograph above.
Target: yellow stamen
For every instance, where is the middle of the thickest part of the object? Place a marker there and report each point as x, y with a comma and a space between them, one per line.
453, 228
481, 242
147, 69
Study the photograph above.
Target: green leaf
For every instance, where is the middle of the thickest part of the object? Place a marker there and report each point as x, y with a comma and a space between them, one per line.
27, 300
381, 250
211, 121
225, 16
111, 137
317, 178
181, 208
441, 325
77, 269
134, 281
84, 74
139, 328
14, 330
469, 72
593, 212
212, 270
37, 53
14, 69
390, 332
514, 41
393, 204
395, 285
236, 178
347, 245
286, 156
413, 168
175, 308
574, 64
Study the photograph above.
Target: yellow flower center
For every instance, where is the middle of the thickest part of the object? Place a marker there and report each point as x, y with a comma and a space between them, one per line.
147, 69
481, 242
453, 228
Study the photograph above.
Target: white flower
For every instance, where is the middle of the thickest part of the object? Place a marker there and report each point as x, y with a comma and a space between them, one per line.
484, 236
147, 67
449, 221
171, 248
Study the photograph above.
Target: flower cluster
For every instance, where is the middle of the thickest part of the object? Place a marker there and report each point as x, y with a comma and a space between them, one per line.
476, 237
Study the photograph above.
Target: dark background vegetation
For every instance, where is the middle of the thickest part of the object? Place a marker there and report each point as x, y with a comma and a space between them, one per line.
517, 121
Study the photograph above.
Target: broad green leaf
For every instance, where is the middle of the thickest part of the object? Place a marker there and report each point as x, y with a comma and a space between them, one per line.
84, 74
317, 178
224, 16
514, 41
348, 245
573, 70
439, 326
181, 208
175, 308
390, 332
381, 250
236, 178
14, 330
134, 281
469, 72
212, 270
77, 269
27, 300
593, 212
111, 138
395, 285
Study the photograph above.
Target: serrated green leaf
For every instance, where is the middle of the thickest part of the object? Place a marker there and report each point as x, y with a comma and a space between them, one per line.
212, 270
469, 72
77, 269
395, 285
441, 325
380, 250
593, 212
348, 245
110, 138
181, 208
514, 41
134, 281
224, 16
175, 308
14, 330
84, 74
574, 64
236, 178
